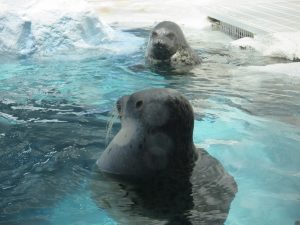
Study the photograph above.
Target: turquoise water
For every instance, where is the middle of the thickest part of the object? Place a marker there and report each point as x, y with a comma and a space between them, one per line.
54, 113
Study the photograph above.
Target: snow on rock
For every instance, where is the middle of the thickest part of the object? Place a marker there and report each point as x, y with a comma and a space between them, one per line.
48, 27
282, 44
15, 34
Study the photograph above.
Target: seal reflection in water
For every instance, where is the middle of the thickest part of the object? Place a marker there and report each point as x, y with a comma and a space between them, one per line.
151, 172
168, 50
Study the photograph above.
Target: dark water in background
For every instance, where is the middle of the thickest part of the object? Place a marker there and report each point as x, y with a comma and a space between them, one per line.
54, 113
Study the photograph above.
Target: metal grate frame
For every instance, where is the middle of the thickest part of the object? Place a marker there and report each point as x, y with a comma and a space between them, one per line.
233, 31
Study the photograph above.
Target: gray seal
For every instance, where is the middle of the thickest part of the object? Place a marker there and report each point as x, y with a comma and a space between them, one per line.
149, 141
152, 173
168, 49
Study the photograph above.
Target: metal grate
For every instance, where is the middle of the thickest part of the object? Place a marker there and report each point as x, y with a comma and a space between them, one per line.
233, 31
257, 17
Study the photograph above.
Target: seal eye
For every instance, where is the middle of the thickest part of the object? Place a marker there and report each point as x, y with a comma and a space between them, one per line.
171, 36
154, 34
138, 104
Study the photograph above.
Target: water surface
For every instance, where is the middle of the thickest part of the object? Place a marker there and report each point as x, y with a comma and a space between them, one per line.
53, 116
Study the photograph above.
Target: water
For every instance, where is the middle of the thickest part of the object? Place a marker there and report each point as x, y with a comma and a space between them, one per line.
54, 113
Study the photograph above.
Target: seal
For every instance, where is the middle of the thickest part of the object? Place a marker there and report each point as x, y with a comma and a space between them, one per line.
152, 173
168, 49
149, 141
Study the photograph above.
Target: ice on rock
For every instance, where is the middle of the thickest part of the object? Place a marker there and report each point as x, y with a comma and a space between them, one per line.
50, 27
15, 35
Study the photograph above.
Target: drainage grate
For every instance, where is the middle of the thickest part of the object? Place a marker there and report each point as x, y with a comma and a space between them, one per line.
229, 29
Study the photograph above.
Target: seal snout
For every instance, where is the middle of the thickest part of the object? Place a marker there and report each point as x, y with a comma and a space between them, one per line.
160, 44
161, 50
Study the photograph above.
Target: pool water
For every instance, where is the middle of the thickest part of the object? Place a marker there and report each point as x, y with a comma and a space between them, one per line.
54, 114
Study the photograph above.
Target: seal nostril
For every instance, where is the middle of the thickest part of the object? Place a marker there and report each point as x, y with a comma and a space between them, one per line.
158, 43
138, 104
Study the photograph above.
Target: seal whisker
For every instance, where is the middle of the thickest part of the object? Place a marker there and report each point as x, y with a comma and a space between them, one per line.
109, 125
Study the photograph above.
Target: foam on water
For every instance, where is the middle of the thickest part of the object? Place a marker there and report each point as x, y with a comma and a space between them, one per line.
291, 69
282, 44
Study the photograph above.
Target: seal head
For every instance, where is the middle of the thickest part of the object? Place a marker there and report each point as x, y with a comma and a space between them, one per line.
166, 39
168, 49
156, 135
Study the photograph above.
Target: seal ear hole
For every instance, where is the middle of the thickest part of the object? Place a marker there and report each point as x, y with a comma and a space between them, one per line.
139, 104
